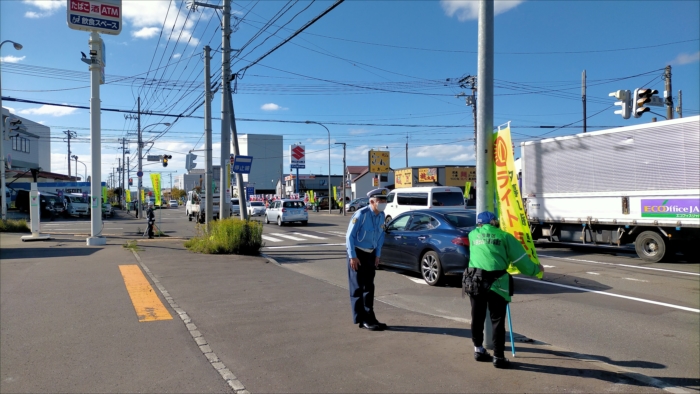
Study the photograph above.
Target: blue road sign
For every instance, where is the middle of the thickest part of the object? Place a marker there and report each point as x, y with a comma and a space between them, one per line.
249, 191
292, 166
139, 174
242, 164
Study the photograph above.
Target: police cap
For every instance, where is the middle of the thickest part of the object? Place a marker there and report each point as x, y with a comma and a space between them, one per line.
378, 193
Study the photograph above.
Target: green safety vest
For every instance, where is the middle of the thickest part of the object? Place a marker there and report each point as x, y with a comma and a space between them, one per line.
493, 249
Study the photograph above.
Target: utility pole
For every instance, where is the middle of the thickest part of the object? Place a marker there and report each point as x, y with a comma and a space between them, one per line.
239, 177
119, 177
406, 151
470, 100
484, 136
583, 98
668, 93
225, 201
679, 108
122, 173
70, 134
345, 172
139, 173
208, 171
128, 176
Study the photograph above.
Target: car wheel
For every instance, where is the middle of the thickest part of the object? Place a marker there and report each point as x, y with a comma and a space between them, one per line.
387, 220
189, 217
430, 268
650, 246
267, 220
279, 221
351, 209
304, 222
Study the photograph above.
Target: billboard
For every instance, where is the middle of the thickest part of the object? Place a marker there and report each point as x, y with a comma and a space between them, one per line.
403, 178
458, 176
378, 161
428, 174
102, 16
297, 156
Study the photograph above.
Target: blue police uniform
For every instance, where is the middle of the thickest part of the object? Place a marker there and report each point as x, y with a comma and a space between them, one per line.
364, 241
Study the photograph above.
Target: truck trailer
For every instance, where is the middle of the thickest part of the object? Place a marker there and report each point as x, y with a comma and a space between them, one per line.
630, 185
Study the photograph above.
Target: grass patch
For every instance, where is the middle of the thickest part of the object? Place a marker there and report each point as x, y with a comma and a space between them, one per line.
228, 236
14, 226
131, 245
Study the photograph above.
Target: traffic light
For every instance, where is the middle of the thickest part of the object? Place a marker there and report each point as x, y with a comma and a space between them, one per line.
641, 97
131, 181
189, 161
625, 97
165, 159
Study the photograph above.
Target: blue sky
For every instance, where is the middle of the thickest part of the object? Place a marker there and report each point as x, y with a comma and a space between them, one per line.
364, 64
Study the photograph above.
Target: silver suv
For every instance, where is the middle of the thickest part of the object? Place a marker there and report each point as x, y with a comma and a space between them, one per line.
283, 211
357, 203
235, 207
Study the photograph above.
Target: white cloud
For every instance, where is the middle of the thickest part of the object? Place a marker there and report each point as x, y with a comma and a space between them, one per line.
177, 55
50, 110
12, 110
272, 107
47, 7
146, 32
11, 59
358, 131
686, 58
469, 9
149, 17
451, 153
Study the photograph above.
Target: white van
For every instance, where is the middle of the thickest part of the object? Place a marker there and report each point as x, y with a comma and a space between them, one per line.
430, 197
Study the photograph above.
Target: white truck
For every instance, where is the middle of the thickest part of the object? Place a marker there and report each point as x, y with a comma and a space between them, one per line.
196, 206
637, 184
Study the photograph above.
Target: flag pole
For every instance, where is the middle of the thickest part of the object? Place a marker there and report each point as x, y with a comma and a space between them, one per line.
510, 329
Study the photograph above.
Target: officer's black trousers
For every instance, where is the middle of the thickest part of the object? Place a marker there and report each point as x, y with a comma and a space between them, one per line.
150, 228
362, 288
497, 307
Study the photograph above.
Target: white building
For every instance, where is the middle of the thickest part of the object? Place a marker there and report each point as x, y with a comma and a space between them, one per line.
363, 182
30, 148
267, 151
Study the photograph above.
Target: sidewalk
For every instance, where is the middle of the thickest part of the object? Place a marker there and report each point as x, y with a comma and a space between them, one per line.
68, 327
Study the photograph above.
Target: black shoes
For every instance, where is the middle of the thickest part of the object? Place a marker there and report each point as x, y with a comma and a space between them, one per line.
371, 327
501, 362
382, 326
483, 357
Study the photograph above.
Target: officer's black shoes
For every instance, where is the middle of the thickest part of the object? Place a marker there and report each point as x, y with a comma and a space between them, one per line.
370, 326
501, 362
482, 356
382, 326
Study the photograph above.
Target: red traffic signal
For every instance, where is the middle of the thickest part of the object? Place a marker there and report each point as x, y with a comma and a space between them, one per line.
131, 181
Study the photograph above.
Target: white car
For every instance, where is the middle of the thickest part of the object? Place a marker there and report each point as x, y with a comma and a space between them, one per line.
256, 208
407, 199
174, 204
283, 211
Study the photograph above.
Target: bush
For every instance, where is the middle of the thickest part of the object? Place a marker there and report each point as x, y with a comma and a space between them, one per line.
229, 236
14, 226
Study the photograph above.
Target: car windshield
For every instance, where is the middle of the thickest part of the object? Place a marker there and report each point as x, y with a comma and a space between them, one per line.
77, 199
293, 204
257, 204
173, 201
461, 219
235, 202
447, 199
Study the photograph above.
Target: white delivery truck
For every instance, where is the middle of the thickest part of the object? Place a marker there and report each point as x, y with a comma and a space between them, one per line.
630, 185
196, 206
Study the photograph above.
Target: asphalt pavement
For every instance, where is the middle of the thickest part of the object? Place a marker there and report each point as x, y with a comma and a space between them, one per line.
598, 322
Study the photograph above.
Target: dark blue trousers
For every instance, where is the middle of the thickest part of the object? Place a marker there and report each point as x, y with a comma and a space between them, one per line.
362, 288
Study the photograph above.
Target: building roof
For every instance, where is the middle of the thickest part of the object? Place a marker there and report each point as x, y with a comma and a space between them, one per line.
357, 169
41, 174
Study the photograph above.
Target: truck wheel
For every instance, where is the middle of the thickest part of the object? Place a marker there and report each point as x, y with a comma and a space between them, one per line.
189, 216
650, 246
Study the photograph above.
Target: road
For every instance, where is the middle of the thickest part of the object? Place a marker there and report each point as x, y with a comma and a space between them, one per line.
603, 304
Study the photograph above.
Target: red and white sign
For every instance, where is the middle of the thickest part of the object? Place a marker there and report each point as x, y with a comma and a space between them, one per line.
102, 16
297, 156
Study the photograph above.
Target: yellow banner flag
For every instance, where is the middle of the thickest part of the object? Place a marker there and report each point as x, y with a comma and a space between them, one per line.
335, 193
128, 195
143, 196
511, 212
155, 181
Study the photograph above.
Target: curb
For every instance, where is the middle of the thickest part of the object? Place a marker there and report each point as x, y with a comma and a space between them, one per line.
197, 336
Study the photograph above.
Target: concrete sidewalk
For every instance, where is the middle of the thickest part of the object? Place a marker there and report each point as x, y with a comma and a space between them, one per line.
67, 326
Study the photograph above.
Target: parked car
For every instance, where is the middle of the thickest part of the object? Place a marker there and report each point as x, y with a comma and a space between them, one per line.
431, 197
46, 203
433, 243
107, 210
174, 204
256, 208
357, 203
323, 203
283, 211
235, 207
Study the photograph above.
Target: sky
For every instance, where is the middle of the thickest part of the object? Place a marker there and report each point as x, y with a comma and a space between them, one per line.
378, 74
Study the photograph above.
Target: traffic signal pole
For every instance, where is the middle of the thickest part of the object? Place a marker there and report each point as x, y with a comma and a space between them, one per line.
208, 171
668, 93
95, 68
224, 202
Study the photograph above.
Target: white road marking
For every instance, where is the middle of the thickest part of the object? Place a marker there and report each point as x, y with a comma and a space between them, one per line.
267, 238
287, 236
623, 265
416, 280
548, 266
636, 280
301, 246
338, 233
685, 308
592, 273
309, 235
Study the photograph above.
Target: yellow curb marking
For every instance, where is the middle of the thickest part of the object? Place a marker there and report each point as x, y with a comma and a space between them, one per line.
146, 302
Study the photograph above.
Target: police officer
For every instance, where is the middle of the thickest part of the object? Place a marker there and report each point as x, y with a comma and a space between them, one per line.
364, 241
491, 251
151, 217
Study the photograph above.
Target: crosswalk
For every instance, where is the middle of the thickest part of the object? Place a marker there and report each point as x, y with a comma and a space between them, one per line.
300, 236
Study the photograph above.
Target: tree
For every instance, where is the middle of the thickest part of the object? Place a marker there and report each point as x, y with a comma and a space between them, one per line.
177, 193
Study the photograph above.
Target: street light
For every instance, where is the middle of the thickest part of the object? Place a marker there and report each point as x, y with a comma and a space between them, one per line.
329, 161
76, 166
3, 189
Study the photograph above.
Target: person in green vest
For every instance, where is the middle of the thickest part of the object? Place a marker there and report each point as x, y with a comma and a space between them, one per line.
491, 251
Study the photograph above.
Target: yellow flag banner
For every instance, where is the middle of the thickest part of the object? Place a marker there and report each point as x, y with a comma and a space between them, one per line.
104, 194
155, 181
335, 193
511, 212
143, 196
312, 196
128, 195
467, 189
